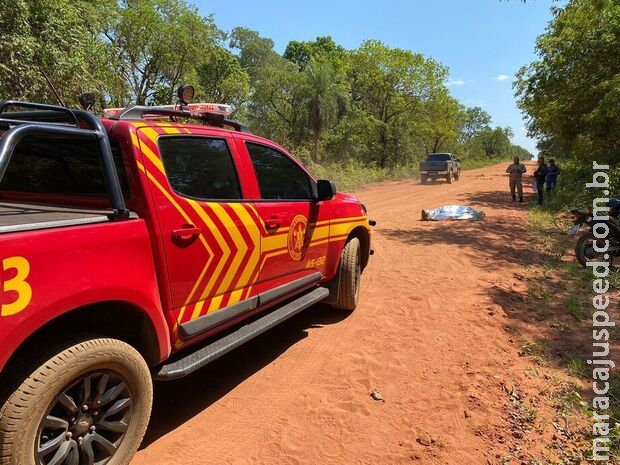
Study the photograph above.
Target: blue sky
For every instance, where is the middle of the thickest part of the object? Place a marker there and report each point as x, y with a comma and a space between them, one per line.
483, 42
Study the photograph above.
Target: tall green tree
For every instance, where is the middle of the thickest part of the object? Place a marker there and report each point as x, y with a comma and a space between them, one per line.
222, 79
321, 49
475, 121
496, 143
323, 93
440, 121
572, 92
389, 85
255, 52
52, 44
157, 44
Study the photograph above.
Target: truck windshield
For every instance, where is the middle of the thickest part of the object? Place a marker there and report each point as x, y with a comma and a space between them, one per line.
438, 157
58, 167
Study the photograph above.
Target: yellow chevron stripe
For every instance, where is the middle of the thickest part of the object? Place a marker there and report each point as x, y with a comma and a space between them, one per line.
197, 310
169, 129
321, 235
242, 247
154, 159
235, 297
221, 213
189, 221
220, 240
215, 304
255, 236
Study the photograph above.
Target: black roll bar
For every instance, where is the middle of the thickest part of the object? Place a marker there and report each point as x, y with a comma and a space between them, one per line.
19, 129
112, 183
49, 110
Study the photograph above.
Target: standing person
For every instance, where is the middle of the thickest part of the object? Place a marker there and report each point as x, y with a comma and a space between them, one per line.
516, 171
541, 176
552, 176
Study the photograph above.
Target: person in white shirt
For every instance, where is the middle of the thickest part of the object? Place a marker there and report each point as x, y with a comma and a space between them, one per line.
516, 170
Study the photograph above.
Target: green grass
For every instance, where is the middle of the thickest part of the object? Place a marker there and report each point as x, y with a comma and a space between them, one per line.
548, 224
578, 367
473, 163
537, 350
537, 291
574, 306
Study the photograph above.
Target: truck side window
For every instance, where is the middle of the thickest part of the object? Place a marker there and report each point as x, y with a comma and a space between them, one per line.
279, 178
60, 167
200, 167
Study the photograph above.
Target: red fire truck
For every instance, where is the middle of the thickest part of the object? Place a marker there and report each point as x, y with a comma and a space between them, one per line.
144, 245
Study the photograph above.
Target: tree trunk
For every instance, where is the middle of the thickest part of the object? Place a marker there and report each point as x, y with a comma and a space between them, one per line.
384, 155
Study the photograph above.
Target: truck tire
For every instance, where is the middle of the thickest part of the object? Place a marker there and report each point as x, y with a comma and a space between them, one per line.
87, 403
350, 276
449, 177
457, 176
424, 179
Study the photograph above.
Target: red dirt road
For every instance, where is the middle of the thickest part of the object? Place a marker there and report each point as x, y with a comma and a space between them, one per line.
429, 335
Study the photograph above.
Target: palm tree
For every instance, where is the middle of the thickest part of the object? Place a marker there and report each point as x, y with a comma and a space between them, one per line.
324, 92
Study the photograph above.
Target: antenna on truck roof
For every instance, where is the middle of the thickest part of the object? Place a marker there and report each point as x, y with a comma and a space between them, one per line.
54, 91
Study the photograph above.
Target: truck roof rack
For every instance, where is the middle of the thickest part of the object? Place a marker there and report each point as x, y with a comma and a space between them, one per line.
57, 121
139, 112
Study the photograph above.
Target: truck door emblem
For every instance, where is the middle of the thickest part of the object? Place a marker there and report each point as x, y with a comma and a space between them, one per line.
16, 285
297, 237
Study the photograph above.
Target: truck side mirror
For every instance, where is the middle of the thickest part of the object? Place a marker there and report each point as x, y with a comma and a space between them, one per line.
326, 190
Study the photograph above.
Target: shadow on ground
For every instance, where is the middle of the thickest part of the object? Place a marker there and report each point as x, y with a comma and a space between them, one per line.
175, 402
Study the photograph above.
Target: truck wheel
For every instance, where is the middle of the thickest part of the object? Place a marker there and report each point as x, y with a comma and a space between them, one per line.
449, 178
424, 179
457, 176
87, 404
350, 276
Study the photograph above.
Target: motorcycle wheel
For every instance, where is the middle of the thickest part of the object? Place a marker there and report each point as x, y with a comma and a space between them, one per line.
584, 250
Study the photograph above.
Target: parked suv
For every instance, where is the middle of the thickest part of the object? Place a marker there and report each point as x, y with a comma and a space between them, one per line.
146, 245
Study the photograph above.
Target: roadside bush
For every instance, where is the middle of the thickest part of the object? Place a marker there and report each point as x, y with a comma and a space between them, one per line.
352, 175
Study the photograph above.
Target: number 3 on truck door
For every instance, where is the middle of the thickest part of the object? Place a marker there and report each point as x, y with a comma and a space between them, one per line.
17, 284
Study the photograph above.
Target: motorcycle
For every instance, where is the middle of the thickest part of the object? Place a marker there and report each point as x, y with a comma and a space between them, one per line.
584, 248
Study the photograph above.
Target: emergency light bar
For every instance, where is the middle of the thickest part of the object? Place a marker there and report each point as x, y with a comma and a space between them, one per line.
215, 108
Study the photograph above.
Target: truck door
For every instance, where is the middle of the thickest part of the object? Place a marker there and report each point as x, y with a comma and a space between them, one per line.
294, 227
210, 239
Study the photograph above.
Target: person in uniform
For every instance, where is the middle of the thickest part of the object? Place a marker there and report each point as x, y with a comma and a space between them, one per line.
516, 170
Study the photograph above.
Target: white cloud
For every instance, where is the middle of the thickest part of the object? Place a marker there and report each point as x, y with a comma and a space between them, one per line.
458, 82
502, 77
